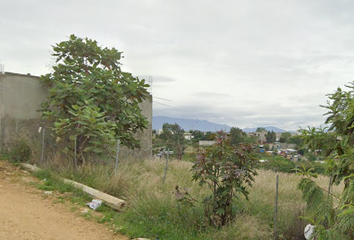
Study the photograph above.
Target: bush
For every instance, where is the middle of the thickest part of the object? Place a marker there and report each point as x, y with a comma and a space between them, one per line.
227, 171
278, 164
20, 151
311, 157
281, 164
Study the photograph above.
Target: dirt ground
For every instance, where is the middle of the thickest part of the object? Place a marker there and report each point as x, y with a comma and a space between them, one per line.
27, 213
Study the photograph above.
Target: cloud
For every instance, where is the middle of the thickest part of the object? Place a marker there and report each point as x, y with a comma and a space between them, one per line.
243, 63
212, 95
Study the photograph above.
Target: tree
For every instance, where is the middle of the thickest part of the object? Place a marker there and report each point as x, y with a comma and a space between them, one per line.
337, 143
197, 135
261, 129
172, 137
237, 136
285, 137
90, 99
250, 139
271, 136
209, 135
296, 140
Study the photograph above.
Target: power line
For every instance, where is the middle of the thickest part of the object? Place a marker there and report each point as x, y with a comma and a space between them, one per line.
164, 99
162, 104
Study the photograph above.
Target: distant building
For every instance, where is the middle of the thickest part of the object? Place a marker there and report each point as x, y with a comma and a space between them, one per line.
188, 136
279, 145
260, 136
206, 142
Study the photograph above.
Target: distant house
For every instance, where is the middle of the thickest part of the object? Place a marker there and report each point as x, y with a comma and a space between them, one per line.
279, 145
188, 136
206, 142
261, 136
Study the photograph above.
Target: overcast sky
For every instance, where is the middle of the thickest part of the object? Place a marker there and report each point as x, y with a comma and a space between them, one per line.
242, 63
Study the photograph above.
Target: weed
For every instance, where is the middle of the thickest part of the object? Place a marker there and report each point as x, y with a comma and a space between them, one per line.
153, 211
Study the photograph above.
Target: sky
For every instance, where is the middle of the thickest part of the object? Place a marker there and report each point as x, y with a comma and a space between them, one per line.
242, 63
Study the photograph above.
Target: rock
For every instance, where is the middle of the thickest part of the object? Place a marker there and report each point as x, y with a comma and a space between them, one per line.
85, 210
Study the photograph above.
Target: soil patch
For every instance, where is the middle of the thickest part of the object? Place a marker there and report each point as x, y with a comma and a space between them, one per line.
28, 213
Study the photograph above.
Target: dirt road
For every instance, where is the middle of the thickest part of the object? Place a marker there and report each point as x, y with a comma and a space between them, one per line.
26, 213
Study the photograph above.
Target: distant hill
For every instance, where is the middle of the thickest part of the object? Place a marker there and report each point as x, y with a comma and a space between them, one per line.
269, 128
188, 124
201, 125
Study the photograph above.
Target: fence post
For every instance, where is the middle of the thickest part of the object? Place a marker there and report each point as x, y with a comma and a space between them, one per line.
1, 132
43, 136
276, 207
164, 176
117, 157
329, 185
75, 153
16, 126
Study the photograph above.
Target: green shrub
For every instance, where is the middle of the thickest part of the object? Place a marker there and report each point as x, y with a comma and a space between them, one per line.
226, 171
20, 151
311, 156
281, 164
278, 164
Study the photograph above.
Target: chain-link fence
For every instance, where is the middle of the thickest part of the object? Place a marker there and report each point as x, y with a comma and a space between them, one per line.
43, 147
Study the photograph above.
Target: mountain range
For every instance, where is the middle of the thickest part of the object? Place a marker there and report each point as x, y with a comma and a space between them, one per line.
201, 125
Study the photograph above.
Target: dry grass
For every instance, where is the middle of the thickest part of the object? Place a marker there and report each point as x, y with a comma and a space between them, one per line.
245, 227
290, 203
140, 182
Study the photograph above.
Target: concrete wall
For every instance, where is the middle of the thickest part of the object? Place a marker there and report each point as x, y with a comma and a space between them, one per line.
20, 98
206, 142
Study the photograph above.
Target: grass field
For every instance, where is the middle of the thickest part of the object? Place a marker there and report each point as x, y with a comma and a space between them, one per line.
154, 212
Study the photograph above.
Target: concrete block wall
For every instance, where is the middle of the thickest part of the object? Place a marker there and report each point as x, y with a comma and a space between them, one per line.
20, 97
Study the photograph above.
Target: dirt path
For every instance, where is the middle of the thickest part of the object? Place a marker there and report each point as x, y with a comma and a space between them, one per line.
26, 213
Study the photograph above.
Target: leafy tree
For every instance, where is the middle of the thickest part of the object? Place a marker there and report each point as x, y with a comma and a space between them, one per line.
90, 99
197, 135
296, 140
337, 143
285, 137
172, 137
250, 139
271, 136
261, 129
237, 135
209, 135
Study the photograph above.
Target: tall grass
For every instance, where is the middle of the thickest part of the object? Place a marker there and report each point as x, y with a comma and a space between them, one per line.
153, 210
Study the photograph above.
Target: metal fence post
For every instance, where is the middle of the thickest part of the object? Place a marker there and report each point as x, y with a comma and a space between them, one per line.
167, 155
329, 185
117, 157
16, 126
75, 153
276, 207
43, 136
